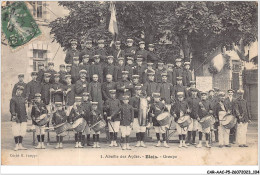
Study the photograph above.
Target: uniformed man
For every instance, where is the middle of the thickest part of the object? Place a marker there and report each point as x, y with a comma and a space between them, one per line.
19, 83
178, 68
187, 75
152, 56
230, 104
51, 71
68, 69
136, 83
205, 109
69, 94
81, 85
121, 68
18, 118
95, 92
166, 91
85, 65
129, 67
244, 117
124, 87
192, 85
46, 93
86, 105
57, 89
171, 75
88, 50
38, 109
193, 103
41, 72
107, 86
140, 121
149, 69
180, 109
97, 68
111, 108
158, 72
75, 70
110, 68
62, 73
144, 53
126, 121
130, 49
101, 51
140, 68
150, 86
156, 109
180, 88
118, 52
72, 52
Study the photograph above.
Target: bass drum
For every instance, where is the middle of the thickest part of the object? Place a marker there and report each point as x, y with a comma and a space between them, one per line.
99, 126
184, 121
79, 125
207, 121
229, 121
164, 118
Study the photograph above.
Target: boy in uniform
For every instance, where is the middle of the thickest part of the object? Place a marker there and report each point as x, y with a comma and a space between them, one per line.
69, 94
97, 68
88, 50
86, 105
120, 67
111, 108
18, 118
178, 69
107, 86
81, 85
45, 92
101, 51
85, 65
95, 92
159, 71
110, 68
152, 57
68, 69
187, 75
56, 89
51, 71
40, 72
62, 73
118, 52
171, 75
150, 86
136, 83
124, 87
180, 88
140, 68
20, 83
149, 69
166, 91
142, 51
75, 70
130, 49
72, 52
129, 67
230, 101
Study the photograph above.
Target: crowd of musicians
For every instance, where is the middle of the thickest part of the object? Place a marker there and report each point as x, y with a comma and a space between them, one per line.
128, 89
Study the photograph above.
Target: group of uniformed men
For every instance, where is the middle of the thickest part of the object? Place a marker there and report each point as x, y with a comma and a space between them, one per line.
97, 85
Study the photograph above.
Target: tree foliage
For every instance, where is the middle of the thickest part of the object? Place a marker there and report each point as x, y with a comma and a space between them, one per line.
195, 27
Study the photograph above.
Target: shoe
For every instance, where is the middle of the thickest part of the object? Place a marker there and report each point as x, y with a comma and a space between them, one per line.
42, 146
138, 144
220, 146
240, 145
16, 148
21, 147
207, 145
180, 145
128, 146
165, 144
142, 144
89, 144
77, 145
124, 147
80, 146
39, 146
199, 145
245, 145
97, 145
188, 144
158, 144
61, 147
194, 143
111, 144
184, 144
115, 144
57, 146
94, 145
228, 146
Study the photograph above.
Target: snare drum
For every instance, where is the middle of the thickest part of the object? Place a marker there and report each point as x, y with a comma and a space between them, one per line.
79, 125
61, 128
229, 121
99, 126
164, 119
43, 119
207, 121
184, 121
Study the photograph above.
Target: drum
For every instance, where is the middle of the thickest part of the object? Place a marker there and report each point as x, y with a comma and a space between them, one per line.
99, 126
207, 121
79, 125
164, 118
229, 121
43, 119
61, 128
184, 121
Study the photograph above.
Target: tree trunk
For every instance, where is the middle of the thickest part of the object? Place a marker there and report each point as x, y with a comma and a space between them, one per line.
186, 47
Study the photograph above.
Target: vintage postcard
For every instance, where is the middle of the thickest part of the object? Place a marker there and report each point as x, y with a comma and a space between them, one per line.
129, 83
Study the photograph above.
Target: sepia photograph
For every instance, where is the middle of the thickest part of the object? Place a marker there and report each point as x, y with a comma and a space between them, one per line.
136, 83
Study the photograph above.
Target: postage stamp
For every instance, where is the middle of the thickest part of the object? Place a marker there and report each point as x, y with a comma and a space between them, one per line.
18, 25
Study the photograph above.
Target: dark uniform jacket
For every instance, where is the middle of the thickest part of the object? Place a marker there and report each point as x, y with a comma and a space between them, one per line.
94, 117
59, 117
75, 73
62, 77
58, 95
129, 68
32, 88
70, 54
86, 106
84, 66
118, 53
40, 75
105, 89
134, 88
76, 113
220, 106
112, 107
127, 115
204, 108
79, 89
87, 51
70, 96
37, 110
178, 71
156, 108
135, 103
45, 93
110, 69
97, 68
152, 57
139, 70
18, 109
120, 90
241, 109
179, 88
158, 75
230, 104
52, 72
119, 72
130, 51
15, 89
144, 54
166, 91
151, 87
187, 77
177, 107
194, 107
171, 77
102, 53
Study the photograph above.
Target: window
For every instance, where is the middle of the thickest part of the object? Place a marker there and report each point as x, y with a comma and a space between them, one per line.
37, 9
39, 54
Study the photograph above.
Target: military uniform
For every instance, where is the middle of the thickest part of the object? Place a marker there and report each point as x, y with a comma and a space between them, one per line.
70, 54
106, 87
130, 51
52, 72
81, 87
69, 94
101, 51
40, 72
144, 53
149, 69
179, 88
45, 91
166, 91
32, 88
139, 70
151, 87
62, 75
171, 75
57, 94
97, 68
124, 87
187, 76
75, 73
87, 51
19, 84
118, 52
152, 56
95, 92
112, 70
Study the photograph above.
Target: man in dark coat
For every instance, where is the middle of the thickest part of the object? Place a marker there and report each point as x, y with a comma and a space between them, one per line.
152, 56
20, 83
107, 86
130, 49
117, 52
187, 75
51, 71
85, 65
41, 72
72, 52
81, 85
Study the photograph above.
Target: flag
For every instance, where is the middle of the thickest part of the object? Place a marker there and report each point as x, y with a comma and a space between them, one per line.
113, 23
